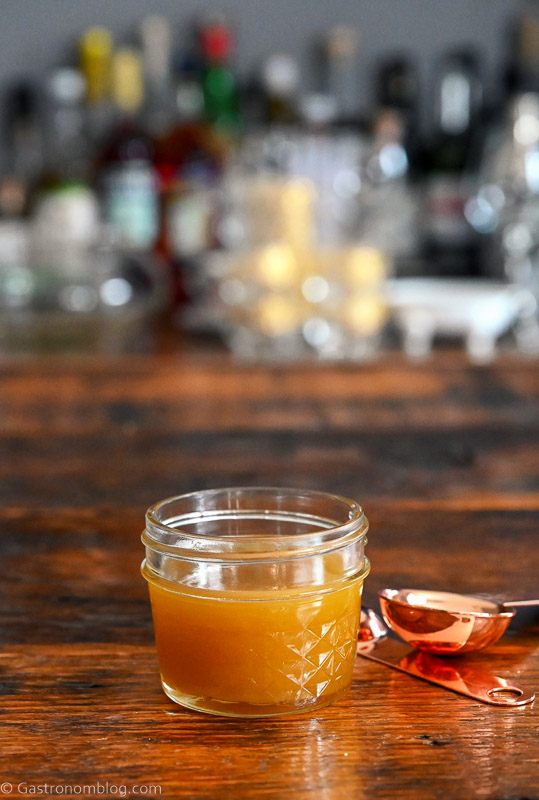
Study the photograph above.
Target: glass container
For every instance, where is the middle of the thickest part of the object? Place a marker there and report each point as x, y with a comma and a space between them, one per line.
255, 596
61, 294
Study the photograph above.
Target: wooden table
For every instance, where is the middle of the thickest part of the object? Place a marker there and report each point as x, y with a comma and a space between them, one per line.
445, 459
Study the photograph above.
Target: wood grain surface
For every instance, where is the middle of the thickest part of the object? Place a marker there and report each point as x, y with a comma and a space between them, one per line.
445, 459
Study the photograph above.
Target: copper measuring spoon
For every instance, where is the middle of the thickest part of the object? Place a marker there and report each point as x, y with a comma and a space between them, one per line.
472, 680
446, 623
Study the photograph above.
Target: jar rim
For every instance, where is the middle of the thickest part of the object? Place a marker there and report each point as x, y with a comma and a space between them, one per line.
329, 534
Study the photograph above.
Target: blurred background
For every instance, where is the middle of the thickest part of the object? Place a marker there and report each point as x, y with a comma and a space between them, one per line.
305, 180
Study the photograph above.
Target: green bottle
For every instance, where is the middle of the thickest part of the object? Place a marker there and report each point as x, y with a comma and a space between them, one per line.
221, 106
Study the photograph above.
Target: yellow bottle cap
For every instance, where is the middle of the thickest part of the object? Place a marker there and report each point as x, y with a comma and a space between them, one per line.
95, 57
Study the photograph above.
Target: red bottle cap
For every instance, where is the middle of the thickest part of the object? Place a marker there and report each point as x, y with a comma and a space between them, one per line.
216, 42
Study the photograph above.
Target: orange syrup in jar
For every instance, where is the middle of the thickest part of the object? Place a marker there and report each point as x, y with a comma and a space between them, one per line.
255, 656
255, 595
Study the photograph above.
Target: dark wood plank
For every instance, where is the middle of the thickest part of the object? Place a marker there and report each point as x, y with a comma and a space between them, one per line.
458, 392
122, 467
127, 432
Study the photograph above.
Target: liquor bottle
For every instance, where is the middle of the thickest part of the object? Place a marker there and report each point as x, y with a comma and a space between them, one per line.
65, 206
221, 104
279, 84
330, 161
522, 74
450, 244
505, 208
188, 101
66, 142
505, 211
457, 109
397, 89
188, 161
156, 39
23, 148
340, 53
24, 139
388, 201
95, 65
188, 158
126, 173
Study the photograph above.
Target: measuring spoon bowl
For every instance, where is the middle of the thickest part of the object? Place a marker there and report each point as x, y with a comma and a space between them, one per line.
445, 623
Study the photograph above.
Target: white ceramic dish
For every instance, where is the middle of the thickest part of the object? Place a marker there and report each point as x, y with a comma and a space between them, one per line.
478, 311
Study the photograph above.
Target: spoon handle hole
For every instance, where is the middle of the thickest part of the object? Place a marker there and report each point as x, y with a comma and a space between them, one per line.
505, 695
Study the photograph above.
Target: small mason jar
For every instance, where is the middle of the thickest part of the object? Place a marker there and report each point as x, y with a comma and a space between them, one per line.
255, 596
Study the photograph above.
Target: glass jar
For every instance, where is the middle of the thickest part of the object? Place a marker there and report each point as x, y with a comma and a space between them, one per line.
302, 245
255, 596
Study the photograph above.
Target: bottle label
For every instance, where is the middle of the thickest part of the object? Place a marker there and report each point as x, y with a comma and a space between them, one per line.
445, 200
189, 224
130, 205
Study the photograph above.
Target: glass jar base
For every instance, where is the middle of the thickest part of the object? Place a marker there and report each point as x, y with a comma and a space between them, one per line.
222, 708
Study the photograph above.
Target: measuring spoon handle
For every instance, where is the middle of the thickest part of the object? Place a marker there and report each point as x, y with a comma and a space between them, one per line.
520, 603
